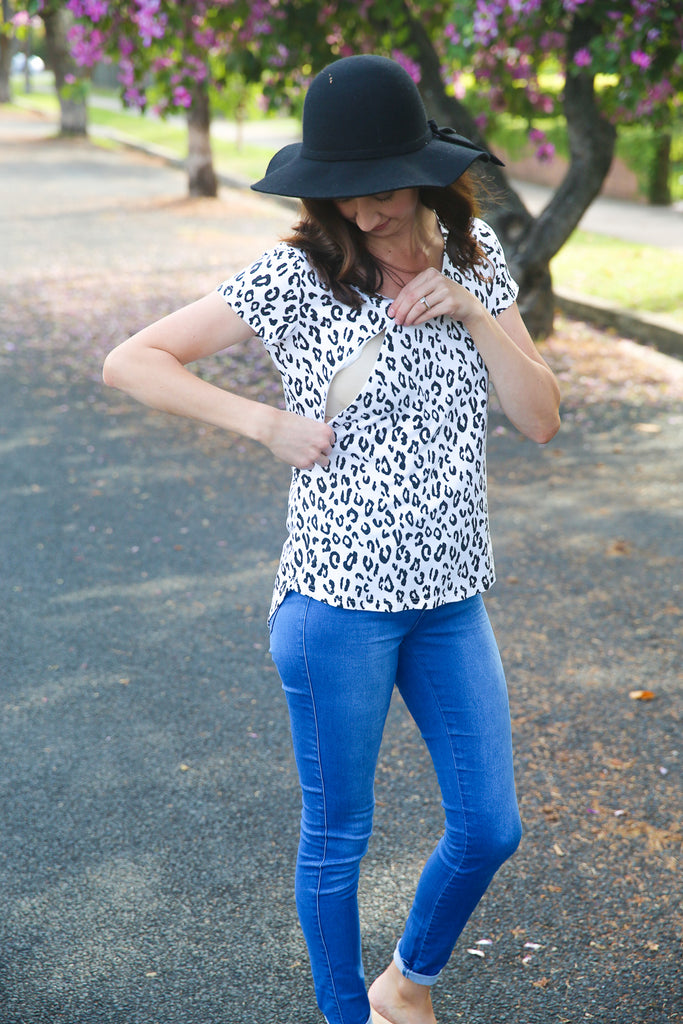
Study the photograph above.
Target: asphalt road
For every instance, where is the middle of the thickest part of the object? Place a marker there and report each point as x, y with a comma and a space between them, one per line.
149, 805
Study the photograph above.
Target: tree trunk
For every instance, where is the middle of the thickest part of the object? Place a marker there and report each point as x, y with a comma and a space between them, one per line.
5, 55
201, 176
72, 101
504, 210
5, 66
591, 149
530, 243
659, 190
28, 50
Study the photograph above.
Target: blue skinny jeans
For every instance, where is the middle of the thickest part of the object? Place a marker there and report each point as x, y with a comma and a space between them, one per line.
338, 669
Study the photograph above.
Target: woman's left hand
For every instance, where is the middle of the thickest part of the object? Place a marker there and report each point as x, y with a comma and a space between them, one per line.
524, 383
431, 294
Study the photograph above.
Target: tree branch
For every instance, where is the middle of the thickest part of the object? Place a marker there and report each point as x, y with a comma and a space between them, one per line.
530, 243
503, 208
591, 149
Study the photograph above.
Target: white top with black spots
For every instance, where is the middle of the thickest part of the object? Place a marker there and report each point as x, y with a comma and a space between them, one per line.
399, 519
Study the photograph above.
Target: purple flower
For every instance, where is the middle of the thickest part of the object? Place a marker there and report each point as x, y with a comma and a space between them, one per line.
182, 97
640, 59
408, 65
582, 58
132, 97
87, 47
96, 9
126, 73
485, 27
126, 46
545, 152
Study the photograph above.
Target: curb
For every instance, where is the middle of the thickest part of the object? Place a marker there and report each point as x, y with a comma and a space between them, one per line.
659, 332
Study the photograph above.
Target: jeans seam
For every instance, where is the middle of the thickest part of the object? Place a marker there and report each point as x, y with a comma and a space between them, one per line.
322, 790
465, 826
421, 614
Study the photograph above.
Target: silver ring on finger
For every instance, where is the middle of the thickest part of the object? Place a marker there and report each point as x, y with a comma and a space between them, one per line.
424, 302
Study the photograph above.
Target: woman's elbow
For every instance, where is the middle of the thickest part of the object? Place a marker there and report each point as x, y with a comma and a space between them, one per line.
114, 368
546, 430
107, 372
109, 375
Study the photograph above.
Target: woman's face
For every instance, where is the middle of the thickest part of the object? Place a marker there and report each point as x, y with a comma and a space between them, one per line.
382, 215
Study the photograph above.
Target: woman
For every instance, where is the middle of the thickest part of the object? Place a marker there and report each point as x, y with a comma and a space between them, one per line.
386, 314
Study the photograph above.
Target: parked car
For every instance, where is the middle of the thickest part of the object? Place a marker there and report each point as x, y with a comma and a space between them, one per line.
35, 64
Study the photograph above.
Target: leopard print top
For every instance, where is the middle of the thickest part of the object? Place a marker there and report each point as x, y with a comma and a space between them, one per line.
399, 519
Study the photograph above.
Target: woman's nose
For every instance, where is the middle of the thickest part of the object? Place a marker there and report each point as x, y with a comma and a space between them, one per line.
366, 214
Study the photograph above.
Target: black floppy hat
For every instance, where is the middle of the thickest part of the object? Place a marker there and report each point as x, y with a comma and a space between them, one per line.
365, 130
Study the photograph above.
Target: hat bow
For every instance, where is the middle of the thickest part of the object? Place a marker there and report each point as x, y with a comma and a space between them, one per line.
450, 135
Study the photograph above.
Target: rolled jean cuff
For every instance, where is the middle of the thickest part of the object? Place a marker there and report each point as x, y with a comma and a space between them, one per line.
419, 979
369, 1020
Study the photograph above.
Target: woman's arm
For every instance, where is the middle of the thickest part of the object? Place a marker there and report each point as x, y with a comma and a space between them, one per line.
524, 383
150, 366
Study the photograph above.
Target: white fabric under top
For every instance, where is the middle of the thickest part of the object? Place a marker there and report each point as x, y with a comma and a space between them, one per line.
350, 380
399, 519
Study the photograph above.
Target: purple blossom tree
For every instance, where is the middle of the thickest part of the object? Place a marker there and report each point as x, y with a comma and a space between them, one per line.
582, 60
598, 63
165, 54
70, 83
7, 32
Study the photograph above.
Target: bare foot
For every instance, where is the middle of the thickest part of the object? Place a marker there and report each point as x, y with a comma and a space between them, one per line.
396, 1000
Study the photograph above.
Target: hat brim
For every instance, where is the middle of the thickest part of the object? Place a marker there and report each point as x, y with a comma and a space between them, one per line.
436, 165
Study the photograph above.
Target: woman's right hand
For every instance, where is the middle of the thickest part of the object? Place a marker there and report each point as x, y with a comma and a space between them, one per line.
298, 440
151, 366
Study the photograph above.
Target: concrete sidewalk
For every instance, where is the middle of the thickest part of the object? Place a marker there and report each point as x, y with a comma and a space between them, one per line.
616, 218
148, 797
634, 222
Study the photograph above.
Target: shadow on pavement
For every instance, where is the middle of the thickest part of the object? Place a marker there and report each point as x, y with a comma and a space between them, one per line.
149, 802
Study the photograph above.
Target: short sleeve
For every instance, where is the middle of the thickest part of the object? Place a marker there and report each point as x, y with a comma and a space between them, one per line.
502, 290
268, 294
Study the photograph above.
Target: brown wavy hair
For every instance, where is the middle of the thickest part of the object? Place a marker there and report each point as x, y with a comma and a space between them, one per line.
336, 248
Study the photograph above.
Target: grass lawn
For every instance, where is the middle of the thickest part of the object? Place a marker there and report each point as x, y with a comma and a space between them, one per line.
636, 277
243, 161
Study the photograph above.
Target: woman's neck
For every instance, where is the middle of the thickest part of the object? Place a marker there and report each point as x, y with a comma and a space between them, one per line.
402, 258
420, 247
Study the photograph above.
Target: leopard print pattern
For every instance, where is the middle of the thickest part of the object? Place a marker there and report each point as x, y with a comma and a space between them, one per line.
399, 519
